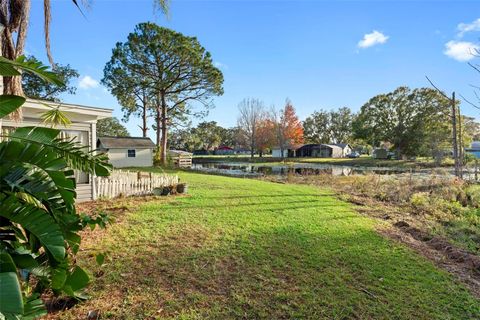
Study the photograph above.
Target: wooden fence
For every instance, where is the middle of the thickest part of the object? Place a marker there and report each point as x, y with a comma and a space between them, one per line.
128, 183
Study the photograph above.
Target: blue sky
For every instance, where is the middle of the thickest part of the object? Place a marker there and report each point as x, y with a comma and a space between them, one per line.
319, 54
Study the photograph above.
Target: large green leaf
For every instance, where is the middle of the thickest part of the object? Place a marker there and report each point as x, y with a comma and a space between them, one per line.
76, 281
7, 69
34, 308
34, 67
11, 301
10, 103
76, 156
36, 221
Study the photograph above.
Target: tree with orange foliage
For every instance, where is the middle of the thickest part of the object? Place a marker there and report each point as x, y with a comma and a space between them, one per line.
265, 135
288, 128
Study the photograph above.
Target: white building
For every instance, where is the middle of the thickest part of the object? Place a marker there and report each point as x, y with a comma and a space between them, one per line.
277, 153
346, 149
127, 151
83, 128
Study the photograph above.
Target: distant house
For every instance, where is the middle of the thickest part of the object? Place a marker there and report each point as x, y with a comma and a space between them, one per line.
224, 150
241, 151
320, 151
127, 151
82, 129
346, 148
380, 153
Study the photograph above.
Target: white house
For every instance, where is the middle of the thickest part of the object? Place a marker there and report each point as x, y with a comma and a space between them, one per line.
346, 149
83, 129
127, 151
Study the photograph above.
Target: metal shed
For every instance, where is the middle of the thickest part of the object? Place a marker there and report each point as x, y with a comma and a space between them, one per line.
320, 151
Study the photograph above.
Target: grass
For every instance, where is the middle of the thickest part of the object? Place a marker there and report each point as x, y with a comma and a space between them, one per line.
248, 249
363, 161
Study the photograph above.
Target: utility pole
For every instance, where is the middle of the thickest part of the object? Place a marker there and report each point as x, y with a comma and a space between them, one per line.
457, 156
460, 142
454, 136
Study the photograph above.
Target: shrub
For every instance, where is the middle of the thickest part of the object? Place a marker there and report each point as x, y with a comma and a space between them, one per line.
38, 222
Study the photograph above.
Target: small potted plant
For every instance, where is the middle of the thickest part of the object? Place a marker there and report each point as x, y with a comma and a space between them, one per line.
182, 188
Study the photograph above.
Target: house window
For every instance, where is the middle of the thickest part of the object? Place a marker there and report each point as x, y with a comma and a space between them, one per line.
131, 153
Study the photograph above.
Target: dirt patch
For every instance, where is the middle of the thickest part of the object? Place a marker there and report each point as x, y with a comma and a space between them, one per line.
407, 229
463, 265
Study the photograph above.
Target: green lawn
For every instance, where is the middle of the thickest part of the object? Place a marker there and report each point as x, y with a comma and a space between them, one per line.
248, 249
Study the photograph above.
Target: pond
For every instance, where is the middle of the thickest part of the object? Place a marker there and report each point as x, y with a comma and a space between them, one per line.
262, 169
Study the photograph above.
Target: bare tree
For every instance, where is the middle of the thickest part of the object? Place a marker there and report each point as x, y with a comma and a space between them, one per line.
251, 114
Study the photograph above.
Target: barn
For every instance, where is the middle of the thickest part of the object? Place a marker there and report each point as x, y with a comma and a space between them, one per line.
320, 151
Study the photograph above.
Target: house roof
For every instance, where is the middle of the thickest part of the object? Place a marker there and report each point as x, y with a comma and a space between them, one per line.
342, 145
73, 111
320, 145
125, 142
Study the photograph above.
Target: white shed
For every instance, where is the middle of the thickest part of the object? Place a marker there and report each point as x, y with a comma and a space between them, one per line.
127, 151
346, 149
83, 129
277, 153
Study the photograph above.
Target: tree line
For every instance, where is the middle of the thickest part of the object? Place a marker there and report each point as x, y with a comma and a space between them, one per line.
410, 122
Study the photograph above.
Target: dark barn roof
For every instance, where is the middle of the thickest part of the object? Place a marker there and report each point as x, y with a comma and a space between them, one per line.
124, 142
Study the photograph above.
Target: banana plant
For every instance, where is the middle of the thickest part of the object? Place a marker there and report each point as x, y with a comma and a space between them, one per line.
39, 226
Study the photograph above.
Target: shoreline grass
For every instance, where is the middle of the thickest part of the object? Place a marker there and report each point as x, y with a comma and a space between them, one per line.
364, 161
241, 248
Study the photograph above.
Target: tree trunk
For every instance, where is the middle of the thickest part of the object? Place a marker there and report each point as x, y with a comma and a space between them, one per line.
158, 124
14, 21
144, 117
163, 154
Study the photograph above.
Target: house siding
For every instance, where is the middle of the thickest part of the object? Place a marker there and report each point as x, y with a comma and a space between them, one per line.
118, 158
84, 121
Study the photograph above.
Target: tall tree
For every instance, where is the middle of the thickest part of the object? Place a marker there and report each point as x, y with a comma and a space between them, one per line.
341, 125
177, 70
133, 93
36, 88
252, 112
111, 127
265, 135
287, 127
402, 117
231, 137
317, 127
209, 134
14, 22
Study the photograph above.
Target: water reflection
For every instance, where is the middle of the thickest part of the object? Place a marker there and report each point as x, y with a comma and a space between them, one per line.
243, 169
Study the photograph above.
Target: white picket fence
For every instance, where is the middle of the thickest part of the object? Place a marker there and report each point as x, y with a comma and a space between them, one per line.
128, 183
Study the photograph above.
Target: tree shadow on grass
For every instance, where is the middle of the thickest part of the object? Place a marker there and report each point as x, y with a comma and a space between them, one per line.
285, 272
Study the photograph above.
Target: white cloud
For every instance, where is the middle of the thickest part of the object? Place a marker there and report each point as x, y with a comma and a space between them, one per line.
220, 65
87, 82
461, 50
468, 27
373, 38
